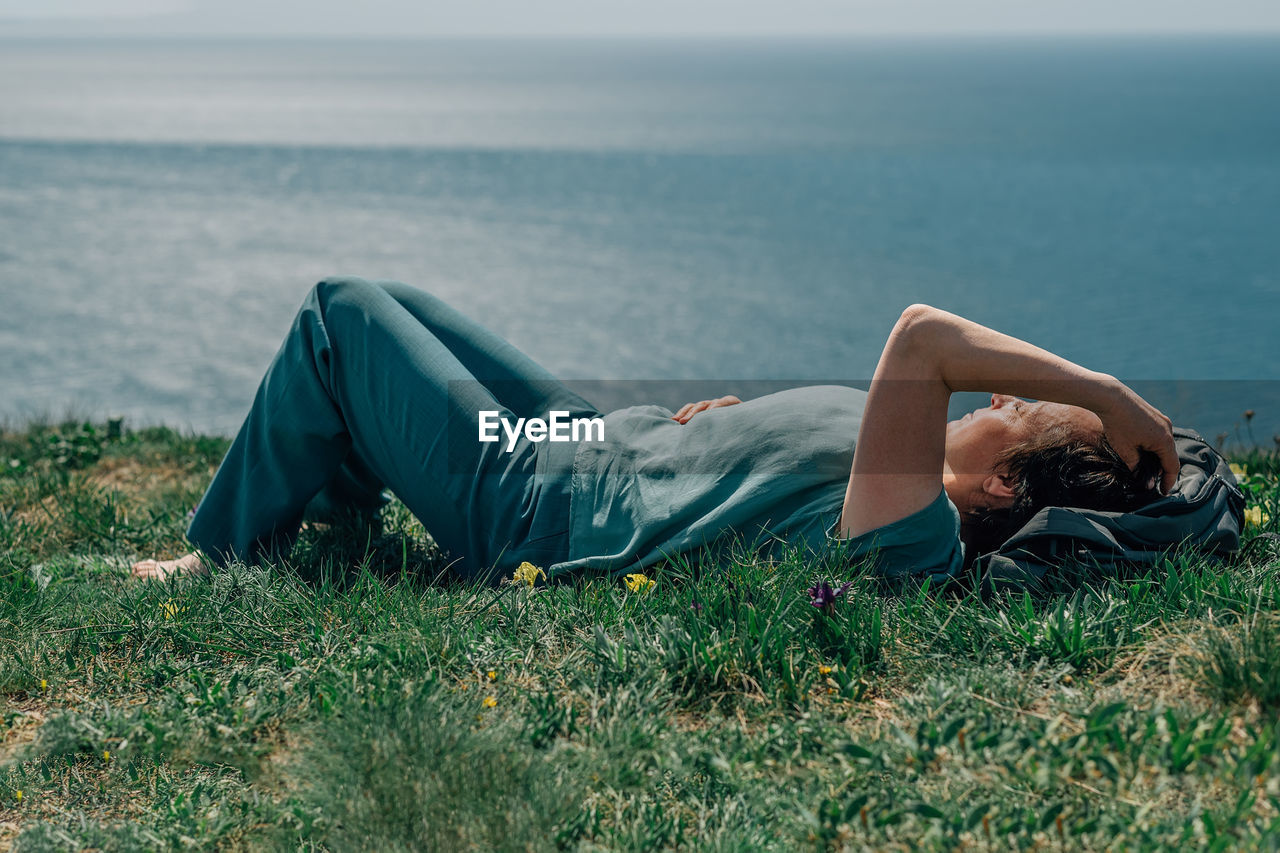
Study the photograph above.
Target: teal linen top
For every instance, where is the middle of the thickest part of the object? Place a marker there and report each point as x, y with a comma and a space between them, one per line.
770, 471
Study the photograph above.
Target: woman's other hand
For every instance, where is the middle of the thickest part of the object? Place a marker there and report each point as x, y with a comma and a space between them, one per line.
688, 410
1133, 425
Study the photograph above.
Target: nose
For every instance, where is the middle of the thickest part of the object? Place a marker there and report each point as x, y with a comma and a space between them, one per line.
998, 400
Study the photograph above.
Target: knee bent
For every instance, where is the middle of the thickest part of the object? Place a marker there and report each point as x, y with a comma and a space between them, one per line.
355, 289
335, 288
339, 297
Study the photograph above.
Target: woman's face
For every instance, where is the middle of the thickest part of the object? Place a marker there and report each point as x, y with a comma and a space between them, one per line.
974, 441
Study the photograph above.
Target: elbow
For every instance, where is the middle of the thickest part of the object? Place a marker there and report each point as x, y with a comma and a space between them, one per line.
917, 313
912, 350
914, 321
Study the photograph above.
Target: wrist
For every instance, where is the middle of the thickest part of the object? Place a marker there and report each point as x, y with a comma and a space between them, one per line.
1111, 393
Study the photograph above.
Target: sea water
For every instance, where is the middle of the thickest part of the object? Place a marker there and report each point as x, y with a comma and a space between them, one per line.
693, 209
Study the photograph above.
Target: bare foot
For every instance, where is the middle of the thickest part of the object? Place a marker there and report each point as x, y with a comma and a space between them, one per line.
158, 570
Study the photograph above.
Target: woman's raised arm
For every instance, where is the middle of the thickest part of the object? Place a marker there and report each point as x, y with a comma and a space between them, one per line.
898, 460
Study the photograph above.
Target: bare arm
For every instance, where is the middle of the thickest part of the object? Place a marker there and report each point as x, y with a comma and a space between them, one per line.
898, 460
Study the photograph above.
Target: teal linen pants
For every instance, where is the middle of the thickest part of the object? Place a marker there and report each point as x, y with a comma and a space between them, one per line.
379, 385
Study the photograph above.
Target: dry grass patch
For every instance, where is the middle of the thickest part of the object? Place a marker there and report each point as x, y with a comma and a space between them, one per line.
24, 719
1160, 671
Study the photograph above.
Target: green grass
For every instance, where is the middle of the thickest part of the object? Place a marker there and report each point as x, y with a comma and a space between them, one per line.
346, 702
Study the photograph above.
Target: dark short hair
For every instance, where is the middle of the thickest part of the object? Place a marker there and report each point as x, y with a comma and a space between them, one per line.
1060, 466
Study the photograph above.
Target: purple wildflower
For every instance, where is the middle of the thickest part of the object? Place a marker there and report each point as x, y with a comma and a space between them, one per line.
696, 606
824, 597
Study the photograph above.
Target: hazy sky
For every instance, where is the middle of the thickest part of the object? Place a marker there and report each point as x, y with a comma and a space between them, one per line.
630, 17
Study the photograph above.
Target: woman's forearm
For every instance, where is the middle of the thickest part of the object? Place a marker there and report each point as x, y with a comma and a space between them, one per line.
969, 357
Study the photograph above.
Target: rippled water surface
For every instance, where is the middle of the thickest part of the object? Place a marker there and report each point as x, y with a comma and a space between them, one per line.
719, 210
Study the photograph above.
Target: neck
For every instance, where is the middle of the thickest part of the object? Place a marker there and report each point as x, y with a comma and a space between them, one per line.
951, 484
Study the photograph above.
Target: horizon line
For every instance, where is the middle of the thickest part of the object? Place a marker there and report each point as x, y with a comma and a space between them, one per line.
753, 36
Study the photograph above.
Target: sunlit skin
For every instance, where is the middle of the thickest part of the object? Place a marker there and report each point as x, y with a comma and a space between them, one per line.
973, 441
160, 569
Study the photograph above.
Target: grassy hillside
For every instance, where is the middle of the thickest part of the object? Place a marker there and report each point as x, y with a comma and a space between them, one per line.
348, 702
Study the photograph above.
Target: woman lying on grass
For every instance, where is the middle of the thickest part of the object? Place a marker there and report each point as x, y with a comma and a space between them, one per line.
379, 385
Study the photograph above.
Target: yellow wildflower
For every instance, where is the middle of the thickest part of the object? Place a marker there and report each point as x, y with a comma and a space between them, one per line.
490, 702
106, 755
493, 674
44, 685
170, 610
18, 794
1255, 516
824, 669
1239, 470
638, 582
528, 574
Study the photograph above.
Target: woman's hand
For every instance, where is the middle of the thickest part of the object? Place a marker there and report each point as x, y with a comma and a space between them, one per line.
1132, 425
688, 410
